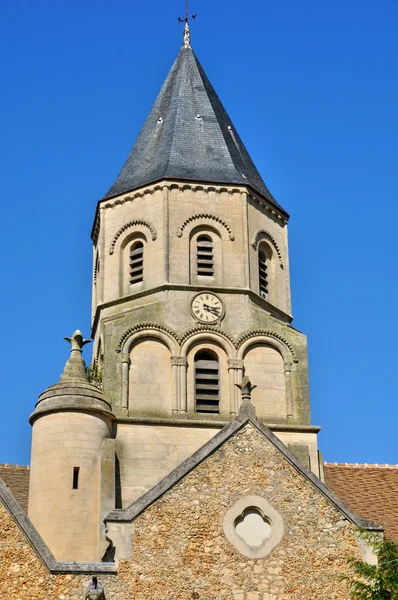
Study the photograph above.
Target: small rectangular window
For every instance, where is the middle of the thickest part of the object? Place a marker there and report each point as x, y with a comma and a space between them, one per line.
204, 256
137, 262
76, 477
263, 274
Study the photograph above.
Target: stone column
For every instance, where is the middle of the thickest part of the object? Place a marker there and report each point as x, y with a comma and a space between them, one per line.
166, 233
175, 362
125, 381
235, 370
179, 381
183, 364
101, 256
246, 241
288, 383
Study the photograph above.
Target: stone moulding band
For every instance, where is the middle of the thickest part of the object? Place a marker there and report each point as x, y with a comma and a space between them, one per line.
263, 234
196, 217
214, 331
129, 225
180, 339
266, 332
141, 327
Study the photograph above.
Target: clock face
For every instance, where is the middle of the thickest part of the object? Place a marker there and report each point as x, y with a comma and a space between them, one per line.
207, 307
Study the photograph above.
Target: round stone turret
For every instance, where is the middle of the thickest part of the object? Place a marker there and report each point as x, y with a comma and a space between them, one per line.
72, 428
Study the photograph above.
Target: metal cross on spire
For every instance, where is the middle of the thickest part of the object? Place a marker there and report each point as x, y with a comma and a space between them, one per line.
185, 20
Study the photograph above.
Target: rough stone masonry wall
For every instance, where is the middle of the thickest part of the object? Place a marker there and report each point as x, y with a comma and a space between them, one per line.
180, 551
179, 548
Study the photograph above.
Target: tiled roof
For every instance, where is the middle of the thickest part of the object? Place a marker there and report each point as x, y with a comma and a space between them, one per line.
17, 478
189, 136
369, 490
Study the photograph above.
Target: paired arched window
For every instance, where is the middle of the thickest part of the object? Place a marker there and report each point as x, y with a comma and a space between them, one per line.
136, 262
204, 256
263, 272
207, 382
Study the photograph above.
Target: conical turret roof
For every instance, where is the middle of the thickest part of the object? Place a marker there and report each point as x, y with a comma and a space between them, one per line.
189, 136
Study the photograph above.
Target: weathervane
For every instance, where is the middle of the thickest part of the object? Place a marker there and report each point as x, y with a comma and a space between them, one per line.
186, 27
187, 15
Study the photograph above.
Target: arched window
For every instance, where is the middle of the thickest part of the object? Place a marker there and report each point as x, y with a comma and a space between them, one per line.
207, 382
136, 262
204, 256
263, 272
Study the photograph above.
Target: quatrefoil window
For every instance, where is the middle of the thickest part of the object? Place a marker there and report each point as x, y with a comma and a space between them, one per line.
253, 526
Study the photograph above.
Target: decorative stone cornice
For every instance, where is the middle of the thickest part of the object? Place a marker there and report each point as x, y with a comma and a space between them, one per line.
205, 329
129, 225
129, 196
96, 229
263, 234
143, 326
195, 187
281, 218
209, 217
268, 333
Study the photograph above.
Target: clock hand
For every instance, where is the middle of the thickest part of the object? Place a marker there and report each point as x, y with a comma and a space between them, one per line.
211, 309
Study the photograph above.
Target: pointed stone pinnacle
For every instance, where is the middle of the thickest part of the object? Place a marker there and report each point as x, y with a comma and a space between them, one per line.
75, 367
246, 388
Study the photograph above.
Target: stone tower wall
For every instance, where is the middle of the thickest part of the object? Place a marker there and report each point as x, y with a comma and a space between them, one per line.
67, 518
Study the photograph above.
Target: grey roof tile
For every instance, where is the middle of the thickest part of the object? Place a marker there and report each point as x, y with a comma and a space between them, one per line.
189, 136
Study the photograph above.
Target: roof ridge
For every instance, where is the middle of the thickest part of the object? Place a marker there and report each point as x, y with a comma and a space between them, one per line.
361, 465
13, 465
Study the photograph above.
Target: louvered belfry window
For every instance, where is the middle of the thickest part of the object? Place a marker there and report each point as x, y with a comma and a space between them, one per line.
204, 256
263, 273
136, 262
207, 382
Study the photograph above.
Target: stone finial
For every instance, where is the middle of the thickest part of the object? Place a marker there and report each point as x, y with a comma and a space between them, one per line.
75, 367
76, 341
246, 389
187, 36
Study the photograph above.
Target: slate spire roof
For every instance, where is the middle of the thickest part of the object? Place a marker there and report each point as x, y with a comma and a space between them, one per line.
189, 136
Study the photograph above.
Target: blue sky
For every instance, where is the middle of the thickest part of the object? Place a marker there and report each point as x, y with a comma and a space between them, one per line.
312, 89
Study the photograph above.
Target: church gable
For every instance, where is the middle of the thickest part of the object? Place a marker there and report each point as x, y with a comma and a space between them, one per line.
188, 537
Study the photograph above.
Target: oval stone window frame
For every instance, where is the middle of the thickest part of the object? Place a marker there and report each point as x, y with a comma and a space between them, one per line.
269, 514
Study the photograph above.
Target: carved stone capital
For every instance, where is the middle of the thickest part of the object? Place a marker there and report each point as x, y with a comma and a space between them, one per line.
288, 367
125, 358
179, 361
234, 363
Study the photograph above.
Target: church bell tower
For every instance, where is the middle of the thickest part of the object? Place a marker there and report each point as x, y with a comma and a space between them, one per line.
191, 289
